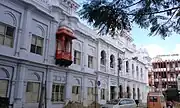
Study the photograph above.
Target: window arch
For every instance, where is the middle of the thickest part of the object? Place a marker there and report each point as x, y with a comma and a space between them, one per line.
103, 57
112, 61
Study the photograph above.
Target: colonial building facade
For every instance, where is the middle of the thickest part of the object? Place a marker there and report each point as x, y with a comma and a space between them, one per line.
164, 72
48, 56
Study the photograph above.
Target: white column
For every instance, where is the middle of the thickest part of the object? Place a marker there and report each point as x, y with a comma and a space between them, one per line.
52, 42
68, 87
85, 52
131, 91
49, 83
27, 21
19, 34
135, 89
83, 57
85, 85
118, 84
124, 68
108, 88
130, 68
116, 66
19, 89
124, 87
98, 56
98, 89
108, 60
117, 92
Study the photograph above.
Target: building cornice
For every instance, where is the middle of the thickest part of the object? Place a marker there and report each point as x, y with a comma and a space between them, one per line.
104, 41
28, 3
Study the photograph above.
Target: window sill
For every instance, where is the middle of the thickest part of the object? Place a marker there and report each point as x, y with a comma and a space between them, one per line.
36, 54
91, 68
61, 102
103, 99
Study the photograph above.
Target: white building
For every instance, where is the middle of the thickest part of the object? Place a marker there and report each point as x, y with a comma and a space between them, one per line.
28, 68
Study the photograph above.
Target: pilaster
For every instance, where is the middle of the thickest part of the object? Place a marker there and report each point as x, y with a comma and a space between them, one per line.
98, 56
108, 60
85, 51
108, 88
26, 34
49, 84
68, 87
52, 41
19, 91
85, 85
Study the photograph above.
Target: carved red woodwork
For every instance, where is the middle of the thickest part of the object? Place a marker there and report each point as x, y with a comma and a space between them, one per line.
64, 37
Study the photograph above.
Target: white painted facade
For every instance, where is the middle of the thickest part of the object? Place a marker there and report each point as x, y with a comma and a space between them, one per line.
20, 67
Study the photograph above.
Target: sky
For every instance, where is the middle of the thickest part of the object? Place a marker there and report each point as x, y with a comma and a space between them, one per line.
155, 45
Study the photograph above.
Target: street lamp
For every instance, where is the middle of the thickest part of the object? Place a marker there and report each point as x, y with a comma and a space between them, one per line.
120, 68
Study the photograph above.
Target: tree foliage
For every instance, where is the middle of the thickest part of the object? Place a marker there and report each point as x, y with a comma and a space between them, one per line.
162, 17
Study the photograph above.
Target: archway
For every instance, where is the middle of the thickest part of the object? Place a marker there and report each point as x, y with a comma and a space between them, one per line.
103, 58
134, 93
113, 92
128, 92
138, 93
120, 91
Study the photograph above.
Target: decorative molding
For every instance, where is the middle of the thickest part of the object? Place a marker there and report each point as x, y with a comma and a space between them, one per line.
12, 16
5, 71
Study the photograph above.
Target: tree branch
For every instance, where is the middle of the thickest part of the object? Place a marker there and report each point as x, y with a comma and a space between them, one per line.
131, 4
166, 21
170, 17
149, 13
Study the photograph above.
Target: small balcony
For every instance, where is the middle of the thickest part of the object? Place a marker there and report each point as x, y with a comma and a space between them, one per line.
64, 38
63, 55
63, 58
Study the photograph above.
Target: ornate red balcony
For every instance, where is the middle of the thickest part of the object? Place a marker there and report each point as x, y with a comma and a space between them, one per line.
63, 55
64, 38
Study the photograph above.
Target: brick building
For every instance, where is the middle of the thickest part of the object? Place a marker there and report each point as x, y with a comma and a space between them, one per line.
164, 72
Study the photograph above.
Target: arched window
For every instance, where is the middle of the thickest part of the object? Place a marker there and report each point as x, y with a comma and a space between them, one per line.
90, 91
137, 71
76, 90
112, 60
119, 63
103, 57
4, 80
33, 88
141, 72
127, 66
133, 69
